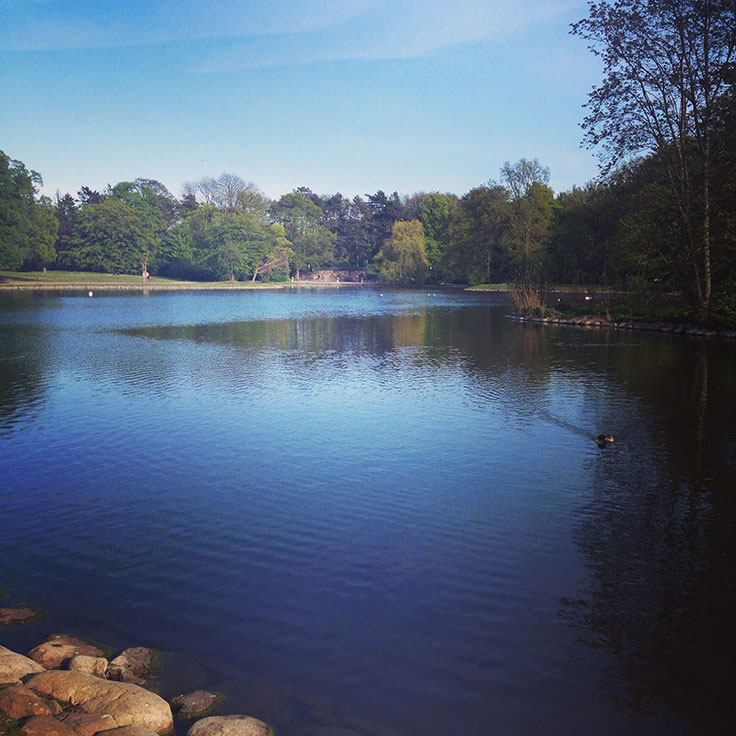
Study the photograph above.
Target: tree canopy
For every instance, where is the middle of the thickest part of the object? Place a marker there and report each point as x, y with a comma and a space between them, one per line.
666, 66
403, 258
27, 225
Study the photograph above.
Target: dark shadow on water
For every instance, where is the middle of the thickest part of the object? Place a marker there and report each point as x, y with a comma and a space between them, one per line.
659, 539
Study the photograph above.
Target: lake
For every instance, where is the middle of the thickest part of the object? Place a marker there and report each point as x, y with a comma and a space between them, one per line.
377, 513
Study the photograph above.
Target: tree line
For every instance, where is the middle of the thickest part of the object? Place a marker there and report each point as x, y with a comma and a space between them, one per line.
661, 217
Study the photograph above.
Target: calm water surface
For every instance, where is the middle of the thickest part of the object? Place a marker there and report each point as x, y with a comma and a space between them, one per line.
369, 513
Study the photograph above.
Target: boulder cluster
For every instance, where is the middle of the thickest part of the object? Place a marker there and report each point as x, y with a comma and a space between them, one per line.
66, 686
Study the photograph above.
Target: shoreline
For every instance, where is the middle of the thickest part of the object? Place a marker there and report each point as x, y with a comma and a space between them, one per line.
585, 321
75, 685
588, 321
178, 286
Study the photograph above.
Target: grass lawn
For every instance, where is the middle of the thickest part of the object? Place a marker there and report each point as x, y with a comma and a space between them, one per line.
556, 288
489, 287
84, 279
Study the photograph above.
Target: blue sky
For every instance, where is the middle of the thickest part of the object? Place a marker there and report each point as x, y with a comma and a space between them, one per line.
337, 96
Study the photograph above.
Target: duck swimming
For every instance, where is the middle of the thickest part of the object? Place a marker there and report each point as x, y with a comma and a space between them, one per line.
604, 440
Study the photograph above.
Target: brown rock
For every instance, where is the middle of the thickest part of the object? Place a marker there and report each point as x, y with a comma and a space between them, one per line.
20, 615
130, 664
45, 726
130, 731
96, 666
58, 649
193, 704
230, 726
127, 704
17, 701
14, 666
88, 724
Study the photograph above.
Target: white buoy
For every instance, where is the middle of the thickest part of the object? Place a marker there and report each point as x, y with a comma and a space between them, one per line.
90, 293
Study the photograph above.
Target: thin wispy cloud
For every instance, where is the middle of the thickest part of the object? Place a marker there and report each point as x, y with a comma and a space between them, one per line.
38, 25
257, 33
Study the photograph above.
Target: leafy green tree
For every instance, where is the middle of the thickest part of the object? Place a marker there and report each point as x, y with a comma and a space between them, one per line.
241, 245
157, 205
277, 259
311, 241
583, 225
188, 203
41, 235
403, 258
646, 228
723, 307
110, 237
530, 213
384, 212
666, 64
88, 196
354, 233
477, 235
65, 211
175, 253
27, 227
436, 212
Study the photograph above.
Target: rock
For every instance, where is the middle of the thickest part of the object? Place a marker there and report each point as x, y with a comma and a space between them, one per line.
120, 674
15, 666
130, 731
20, 615
88, 724
17, 701
128, 704
230, 726
130, 664
58, 649
193, 704
138, 660
45, 726
96, 666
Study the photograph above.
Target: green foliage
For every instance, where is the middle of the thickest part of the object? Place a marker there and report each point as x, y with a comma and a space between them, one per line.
723, 308
403, 258
666, 67
384, 212
476, 233
436, 212
310, 240
27, 227
275, 276
42, 229
529, 214
110, 237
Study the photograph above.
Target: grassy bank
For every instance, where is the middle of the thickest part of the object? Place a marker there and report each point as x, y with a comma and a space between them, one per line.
86, 280
617, 307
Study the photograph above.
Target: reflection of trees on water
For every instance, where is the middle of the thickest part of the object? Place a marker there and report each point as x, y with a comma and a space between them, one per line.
499, 362
22, 364
659, 537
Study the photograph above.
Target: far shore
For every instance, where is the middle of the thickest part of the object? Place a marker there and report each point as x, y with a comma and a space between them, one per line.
84, 281
79, 281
